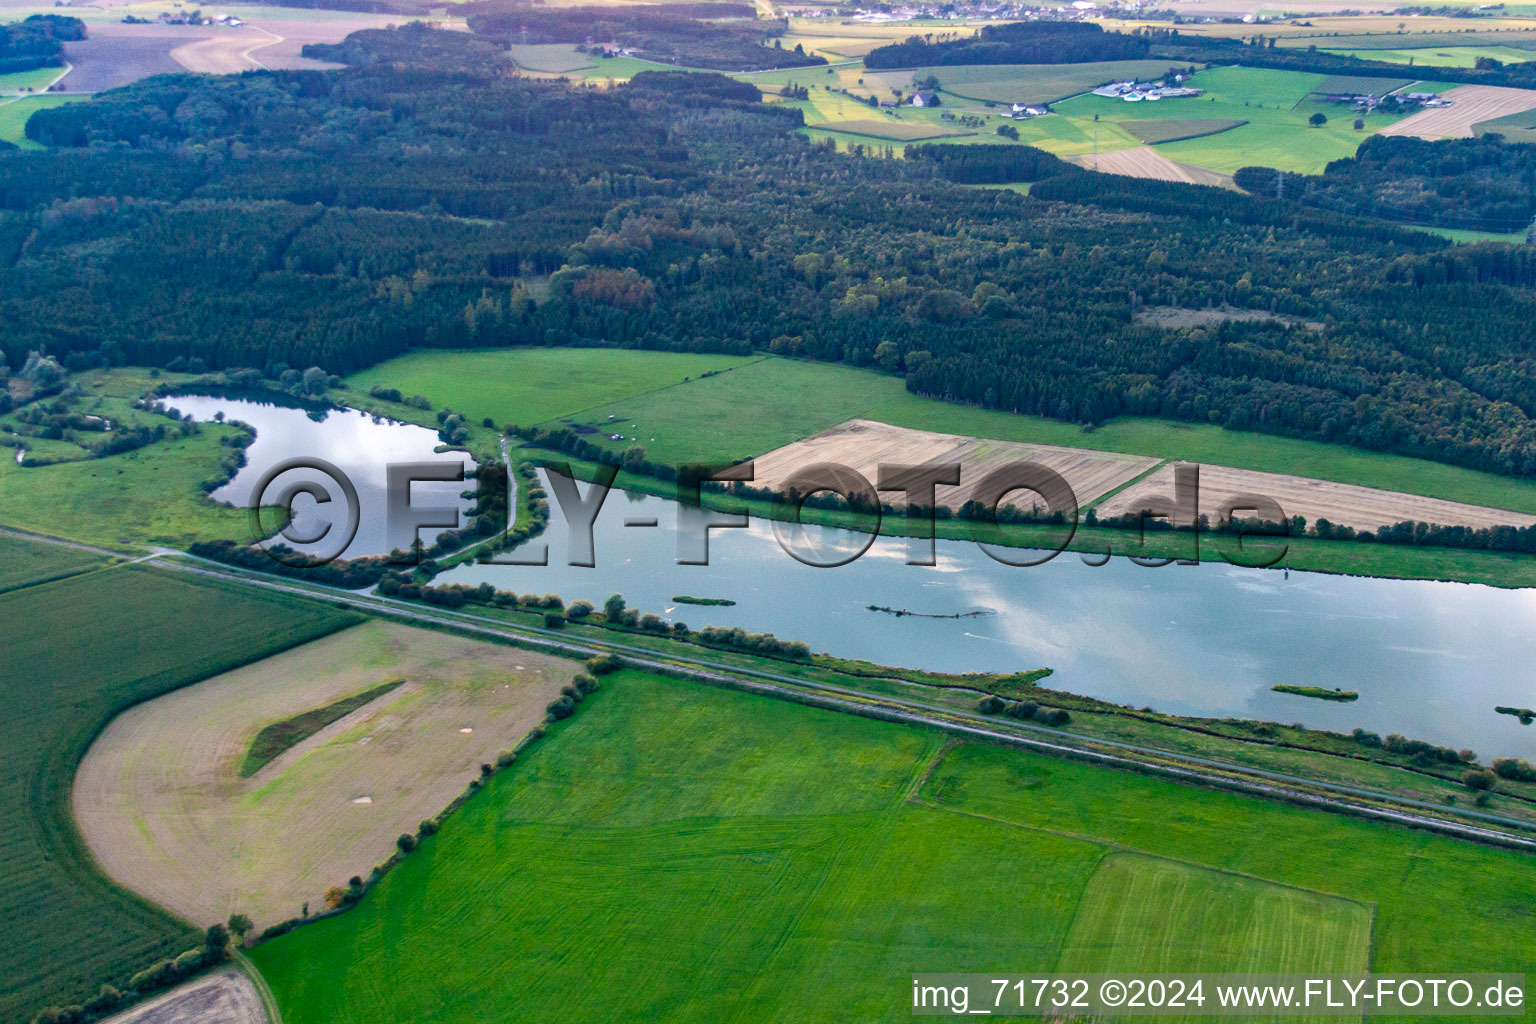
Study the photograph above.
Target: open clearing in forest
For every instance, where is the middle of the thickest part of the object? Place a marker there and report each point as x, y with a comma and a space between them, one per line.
226, 996
864, 445
1471, 104
1363, 508
675, 853
163, 808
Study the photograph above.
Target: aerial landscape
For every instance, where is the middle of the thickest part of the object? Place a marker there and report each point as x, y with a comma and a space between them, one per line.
697, 510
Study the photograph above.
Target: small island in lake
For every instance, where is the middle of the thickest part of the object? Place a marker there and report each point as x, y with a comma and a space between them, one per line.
1316, 691
685, 599
1526, 715
900, 612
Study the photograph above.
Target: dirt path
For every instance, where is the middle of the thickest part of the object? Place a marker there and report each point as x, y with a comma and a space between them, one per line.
223, 997
1470, 104
162, 806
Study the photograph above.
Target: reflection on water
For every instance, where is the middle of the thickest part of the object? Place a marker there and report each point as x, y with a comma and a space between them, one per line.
1430, 660
359, 445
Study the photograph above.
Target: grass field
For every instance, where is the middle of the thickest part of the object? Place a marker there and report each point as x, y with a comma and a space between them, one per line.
1148, 914
1153, 131
530, 385
1440, 56
1020, 83
892, 130
1275, 105
78, 651
551, 58
164, 806
1518, 127
151, 495
14, 115
25, 563
669, 854
37, 79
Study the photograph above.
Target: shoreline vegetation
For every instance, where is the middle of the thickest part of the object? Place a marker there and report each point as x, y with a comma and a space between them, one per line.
904, 612
1318, 692
720, 602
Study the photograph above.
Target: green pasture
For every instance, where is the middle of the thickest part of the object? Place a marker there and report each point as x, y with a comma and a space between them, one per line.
530, 385
673, 853
1019, 83
35, 80
78, 651
14, 115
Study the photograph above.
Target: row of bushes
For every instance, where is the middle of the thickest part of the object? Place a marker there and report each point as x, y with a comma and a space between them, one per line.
155, 978
1023, 711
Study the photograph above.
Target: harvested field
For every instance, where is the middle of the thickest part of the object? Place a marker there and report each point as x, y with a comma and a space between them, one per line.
161, 804
1363, 508
1472, 103
898, 131
864, 444
223, 997
1146, 162
226, 54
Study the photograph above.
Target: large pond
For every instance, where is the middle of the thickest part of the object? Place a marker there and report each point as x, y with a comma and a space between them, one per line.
359, 445
1430, 660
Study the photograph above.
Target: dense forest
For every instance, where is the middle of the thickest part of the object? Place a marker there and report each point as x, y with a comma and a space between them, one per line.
37, 42
1024, 42
1462, 183
337, 218
722, 36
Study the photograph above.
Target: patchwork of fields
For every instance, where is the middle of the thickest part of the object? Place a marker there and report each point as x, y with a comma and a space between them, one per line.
163, 807
677, 858
78, 652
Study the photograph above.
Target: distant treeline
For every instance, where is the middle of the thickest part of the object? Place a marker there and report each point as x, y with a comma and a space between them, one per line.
1024, 42
1475, 183
37, 42
673, 33
991, 165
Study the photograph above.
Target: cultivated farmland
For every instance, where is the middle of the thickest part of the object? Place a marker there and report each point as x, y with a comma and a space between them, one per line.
1156, 130
79, 651
25, 563
864, 445
676, 855
891, 130
1472, 103
1342, 504
1020, 83
1146, 162
163, 806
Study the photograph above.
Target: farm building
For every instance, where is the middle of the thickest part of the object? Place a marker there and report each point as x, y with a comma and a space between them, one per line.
1027, 110
925, 99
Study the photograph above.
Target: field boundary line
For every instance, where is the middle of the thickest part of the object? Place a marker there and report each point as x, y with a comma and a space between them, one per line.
268, 998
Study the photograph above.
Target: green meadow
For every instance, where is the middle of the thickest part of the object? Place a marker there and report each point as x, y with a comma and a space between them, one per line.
530, 385
78, 652
673, 853
14, 115
1441, 56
